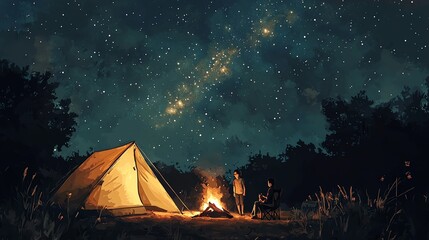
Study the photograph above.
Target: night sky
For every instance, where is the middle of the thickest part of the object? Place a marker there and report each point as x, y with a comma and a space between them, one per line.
207, 83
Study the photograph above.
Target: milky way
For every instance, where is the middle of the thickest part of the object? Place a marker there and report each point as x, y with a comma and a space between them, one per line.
206, 83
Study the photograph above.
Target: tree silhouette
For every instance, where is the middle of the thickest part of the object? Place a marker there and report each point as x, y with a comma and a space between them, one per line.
347, 122
34, 122
411, 106
305, 168
367, 146
370, 142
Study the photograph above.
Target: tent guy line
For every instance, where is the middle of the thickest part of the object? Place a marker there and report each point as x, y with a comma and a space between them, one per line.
168, 184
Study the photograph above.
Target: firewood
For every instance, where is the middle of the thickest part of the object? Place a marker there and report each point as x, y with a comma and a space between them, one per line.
214, 212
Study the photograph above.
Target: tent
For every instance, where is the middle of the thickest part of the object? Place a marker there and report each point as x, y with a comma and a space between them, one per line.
117, 181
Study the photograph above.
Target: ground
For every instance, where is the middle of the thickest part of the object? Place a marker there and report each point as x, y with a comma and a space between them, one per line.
175, 226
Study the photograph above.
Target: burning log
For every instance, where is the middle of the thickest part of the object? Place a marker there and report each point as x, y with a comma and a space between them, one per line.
214, 212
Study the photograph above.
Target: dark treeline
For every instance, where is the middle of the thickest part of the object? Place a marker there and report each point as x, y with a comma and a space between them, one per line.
368, 145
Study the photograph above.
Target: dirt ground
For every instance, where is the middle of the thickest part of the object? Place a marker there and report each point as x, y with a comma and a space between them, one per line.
176, 226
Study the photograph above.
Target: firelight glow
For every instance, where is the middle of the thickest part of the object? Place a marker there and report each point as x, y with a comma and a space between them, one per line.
213, 195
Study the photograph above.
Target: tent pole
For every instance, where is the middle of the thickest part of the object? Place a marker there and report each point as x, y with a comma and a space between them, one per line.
166, 181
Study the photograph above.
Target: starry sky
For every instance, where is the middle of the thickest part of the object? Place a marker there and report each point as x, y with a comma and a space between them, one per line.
207, 83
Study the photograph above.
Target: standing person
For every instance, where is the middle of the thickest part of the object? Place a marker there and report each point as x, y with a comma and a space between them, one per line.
239, 190
264, 199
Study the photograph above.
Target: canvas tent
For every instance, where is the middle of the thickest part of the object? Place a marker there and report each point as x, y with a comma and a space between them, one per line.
117, 180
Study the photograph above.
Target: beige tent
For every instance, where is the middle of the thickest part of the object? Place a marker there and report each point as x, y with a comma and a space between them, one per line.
118, 181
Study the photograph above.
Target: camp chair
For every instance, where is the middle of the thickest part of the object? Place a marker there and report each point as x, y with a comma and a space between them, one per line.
272, 211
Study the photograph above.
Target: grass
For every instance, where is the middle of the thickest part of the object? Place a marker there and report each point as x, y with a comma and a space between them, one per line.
344, 214
27, 215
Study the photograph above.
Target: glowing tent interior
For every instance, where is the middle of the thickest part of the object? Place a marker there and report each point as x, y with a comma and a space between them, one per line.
118, 181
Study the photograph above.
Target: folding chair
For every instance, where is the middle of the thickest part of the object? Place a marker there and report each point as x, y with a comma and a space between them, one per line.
272, 211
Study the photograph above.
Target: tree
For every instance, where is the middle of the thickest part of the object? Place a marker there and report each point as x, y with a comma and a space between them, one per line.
305, 168
347, 121
370, 142
411, 106
34, 122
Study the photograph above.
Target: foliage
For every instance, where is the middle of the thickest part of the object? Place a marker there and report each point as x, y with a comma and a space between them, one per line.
27, 216
381, 142
34, 122
346, 214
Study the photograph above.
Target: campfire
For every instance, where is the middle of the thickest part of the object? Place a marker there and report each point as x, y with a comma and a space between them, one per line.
214, 212
212, 205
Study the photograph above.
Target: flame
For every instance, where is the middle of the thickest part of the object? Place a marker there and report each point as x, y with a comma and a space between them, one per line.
212, 195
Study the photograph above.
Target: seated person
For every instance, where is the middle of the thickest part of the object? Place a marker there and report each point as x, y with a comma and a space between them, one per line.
264, 200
